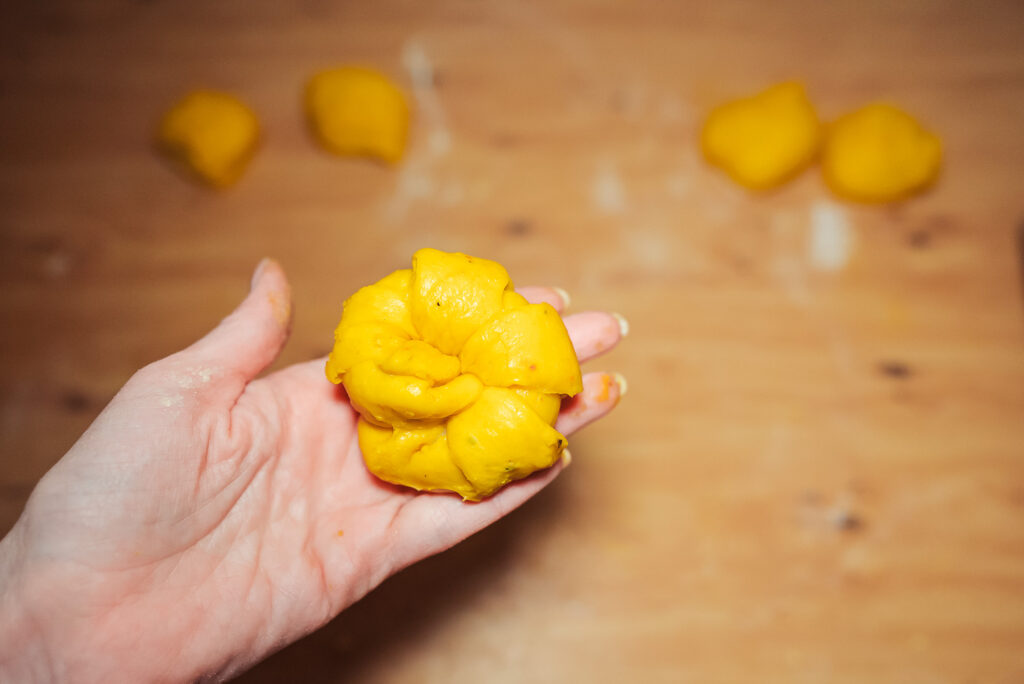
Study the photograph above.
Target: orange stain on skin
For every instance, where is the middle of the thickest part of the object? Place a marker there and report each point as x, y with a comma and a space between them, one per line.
281, 307
579, 405
341, 533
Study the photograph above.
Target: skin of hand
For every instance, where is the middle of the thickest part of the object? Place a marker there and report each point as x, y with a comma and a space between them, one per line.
208, 518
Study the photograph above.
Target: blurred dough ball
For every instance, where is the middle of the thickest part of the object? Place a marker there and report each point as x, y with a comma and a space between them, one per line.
763, 140
212, 134
358, 111
879, 153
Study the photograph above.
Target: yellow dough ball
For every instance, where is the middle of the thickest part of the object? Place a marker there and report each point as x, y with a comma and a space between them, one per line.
210, 133
457, 379
358, 111
765, 139
879, 153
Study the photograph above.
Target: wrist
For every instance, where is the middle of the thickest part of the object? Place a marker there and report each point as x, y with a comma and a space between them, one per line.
24, 652
60, 622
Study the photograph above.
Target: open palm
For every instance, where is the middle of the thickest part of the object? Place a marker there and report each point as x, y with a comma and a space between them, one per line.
207, 519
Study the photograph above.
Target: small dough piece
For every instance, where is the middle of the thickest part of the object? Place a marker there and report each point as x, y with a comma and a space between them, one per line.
879, 153
212, 134
358, 111
765, 139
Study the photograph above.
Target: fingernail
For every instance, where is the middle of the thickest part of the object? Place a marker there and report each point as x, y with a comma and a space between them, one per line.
566, 458
620, 380
566, 299
623, 324
258, 273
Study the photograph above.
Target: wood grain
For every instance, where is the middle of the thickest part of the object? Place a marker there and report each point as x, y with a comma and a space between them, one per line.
818, 475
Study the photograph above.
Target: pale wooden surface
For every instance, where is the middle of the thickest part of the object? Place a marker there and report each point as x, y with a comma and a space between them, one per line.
816, 476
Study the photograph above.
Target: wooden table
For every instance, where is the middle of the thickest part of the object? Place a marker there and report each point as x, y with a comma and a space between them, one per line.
818, 474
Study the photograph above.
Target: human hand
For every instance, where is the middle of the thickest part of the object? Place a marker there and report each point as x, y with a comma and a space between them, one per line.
207, 519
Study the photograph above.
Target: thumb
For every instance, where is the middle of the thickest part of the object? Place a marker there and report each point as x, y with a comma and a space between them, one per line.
251, 337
